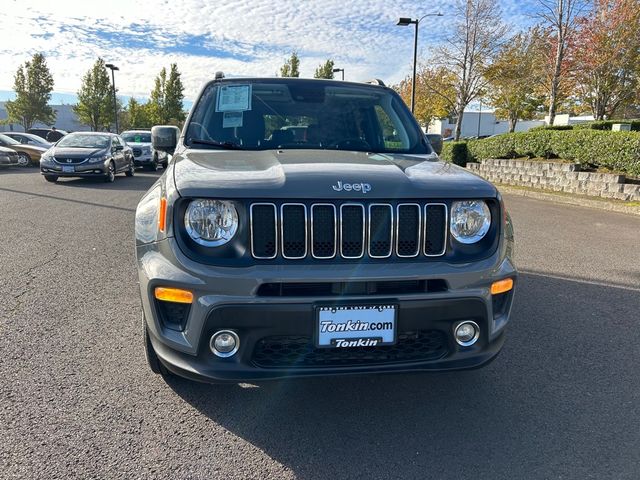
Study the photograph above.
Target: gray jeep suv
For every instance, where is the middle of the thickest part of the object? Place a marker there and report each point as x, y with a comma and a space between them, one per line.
341, 246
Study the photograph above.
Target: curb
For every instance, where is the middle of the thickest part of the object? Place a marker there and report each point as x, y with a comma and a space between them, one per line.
581, 201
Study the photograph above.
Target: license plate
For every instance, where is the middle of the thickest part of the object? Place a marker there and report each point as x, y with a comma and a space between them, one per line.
349, 326
67, 169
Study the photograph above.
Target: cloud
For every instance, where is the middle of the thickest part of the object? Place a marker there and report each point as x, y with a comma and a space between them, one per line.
240, 37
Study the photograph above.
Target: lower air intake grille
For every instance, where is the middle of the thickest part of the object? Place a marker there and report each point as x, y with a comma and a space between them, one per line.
300, 351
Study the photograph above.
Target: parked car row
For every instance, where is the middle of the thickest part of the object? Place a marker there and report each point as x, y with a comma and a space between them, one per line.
81, 154
27, 154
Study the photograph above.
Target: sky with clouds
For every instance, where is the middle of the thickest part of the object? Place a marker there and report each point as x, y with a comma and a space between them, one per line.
240, 37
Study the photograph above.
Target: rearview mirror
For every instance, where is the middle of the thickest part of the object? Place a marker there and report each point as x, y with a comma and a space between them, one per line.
165, 138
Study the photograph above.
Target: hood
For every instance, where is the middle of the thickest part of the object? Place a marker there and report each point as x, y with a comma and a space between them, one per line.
323, 174
65, 152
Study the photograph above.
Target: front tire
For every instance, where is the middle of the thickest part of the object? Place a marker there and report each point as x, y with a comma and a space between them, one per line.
131, 171
51, 178
154, 363
111, 173
24, 160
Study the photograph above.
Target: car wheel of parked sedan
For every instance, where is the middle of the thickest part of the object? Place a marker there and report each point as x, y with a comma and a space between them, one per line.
165, 164
111, 173
24, 160
155, 365
153, 166
51, 178
132, 169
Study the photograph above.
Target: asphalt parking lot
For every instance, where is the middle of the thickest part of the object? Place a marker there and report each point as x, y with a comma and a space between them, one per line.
77, 400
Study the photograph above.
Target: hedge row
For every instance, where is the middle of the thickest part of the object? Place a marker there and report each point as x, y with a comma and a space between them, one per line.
618, 151
456, 152
553, 127
607, 124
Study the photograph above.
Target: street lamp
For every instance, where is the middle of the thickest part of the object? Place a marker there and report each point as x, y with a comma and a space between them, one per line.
404, 22
336, 70
113, 68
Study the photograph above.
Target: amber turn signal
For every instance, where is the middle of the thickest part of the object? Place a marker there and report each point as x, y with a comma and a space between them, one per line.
176, 295
162, 217
501, 286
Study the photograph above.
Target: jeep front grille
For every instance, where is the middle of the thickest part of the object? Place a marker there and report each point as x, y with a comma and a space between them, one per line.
348, 230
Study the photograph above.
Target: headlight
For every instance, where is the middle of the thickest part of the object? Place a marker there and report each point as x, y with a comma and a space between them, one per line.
211, 222
146, 150
47, 156
470, 220
99, 159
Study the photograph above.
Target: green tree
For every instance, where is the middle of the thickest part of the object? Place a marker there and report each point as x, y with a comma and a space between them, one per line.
95, 98
291, 67
136, 115
33, 84
324, 70
515, 77
165, 105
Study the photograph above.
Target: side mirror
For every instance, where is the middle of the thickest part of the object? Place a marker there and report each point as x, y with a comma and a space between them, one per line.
165, 138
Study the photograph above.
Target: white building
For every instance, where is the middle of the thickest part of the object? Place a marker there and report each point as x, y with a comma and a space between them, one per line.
66, 119
480, 124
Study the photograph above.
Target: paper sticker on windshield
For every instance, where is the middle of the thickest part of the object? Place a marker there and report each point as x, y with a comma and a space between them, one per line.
231, 119
234, 98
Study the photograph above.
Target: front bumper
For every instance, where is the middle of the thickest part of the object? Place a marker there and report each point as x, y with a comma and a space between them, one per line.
228, 298
143, 160
80, 170
9, 161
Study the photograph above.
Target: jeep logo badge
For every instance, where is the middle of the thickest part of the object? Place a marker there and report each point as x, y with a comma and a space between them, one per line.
355, 187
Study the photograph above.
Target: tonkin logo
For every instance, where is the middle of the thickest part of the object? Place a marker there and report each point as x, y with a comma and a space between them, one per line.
349, 187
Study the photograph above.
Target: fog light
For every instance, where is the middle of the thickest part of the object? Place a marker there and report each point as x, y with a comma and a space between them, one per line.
224, 343
467, 333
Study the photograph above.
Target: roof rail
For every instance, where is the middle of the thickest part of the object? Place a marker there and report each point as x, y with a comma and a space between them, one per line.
219, 75
375, 81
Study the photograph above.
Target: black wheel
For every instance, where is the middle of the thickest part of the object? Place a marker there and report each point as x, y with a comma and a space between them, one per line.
153, 166
150, 354
111, 173
24, 160
164, 164
51, 178
131, 170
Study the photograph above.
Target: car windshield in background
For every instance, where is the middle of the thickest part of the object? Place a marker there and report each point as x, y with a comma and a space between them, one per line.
79, 140
137, 137
261, 115
8, 140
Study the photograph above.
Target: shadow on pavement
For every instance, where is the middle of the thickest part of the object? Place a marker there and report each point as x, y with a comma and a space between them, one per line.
140, 181
560, 401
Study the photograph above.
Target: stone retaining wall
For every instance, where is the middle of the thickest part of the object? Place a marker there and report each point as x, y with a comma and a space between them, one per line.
556, 176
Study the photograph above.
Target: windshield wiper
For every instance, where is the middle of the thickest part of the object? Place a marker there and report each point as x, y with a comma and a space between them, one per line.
213, 143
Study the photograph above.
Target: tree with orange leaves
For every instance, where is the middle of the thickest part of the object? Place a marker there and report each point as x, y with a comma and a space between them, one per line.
605, 56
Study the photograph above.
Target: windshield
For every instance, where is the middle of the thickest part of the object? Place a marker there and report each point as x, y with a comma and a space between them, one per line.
295, 114
138, 137
79, 140
8, 140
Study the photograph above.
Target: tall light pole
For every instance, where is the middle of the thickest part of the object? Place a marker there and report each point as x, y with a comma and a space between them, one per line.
336, 70
404, 22
113, 68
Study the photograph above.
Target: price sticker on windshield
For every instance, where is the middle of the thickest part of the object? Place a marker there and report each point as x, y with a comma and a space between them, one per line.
234, 98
